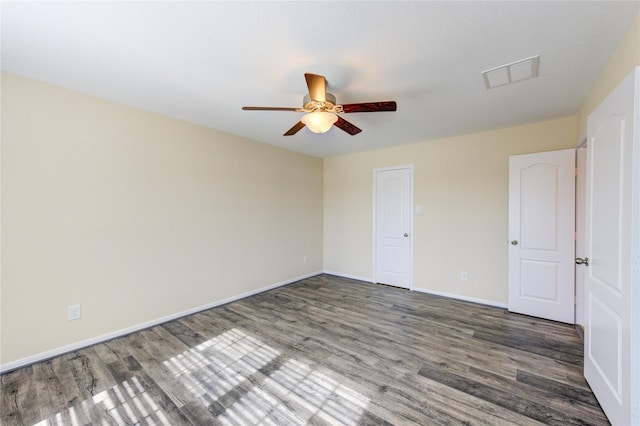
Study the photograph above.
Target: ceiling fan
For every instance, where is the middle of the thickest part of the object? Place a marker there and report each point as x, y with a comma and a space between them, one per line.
322, 109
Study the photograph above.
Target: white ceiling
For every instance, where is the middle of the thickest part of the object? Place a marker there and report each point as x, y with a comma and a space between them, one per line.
202, 61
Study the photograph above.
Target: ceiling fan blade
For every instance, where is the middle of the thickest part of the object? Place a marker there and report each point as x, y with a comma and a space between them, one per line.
370, 106
292, 131
317, 85
346, 126
254, 108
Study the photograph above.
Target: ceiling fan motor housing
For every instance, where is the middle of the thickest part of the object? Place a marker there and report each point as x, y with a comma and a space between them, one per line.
310, 105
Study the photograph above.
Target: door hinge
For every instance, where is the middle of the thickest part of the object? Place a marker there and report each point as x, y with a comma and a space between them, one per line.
577, 171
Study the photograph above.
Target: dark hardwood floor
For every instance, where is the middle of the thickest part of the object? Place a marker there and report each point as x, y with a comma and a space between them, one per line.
325, 350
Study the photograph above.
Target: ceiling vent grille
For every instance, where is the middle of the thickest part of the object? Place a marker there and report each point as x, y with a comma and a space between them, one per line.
512, 73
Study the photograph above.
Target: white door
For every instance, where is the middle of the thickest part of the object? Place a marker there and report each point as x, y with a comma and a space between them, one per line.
612, 329
541, 234
393, 226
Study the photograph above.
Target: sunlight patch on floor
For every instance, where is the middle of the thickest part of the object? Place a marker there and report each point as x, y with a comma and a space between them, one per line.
126, 403
249, 383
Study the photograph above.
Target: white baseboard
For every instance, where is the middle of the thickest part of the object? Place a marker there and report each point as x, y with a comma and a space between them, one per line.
352, 277
463, 298
23, 362
424, 290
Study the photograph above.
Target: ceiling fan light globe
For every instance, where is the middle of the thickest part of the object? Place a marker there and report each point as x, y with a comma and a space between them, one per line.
319, 121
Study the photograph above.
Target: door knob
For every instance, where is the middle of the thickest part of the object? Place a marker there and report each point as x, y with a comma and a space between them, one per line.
406, 235
514, 242
580, 261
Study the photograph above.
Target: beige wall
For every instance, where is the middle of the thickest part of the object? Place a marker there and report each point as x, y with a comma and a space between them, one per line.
462, 185
623, 60
137, 216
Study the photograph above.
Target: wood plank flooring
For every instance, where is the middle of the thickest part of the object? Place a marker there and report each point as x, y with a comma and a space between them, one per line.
325, 350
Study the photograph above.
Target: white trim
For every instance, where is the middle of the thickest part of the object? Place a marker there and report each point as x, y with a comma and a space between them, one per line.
635, 257
103, 338
411, 219
463, 298
351, 277
426, 291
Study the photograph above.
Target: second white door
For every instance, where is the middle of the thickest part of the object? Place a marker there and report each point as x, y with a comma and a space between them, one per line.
393, 226
541, 234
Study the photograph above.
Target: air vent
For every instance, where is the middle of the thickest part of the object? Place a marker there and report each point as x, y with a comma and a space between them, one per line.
512, 73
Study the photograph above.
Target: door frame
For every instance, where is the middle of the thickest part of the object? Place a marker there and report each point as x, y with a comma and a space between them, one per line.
580, 225
411, 219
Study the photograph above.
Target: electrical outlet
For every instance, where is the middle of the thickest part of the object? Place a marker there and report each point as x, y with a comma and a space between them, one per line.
305, 260
463, 276
74, 312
